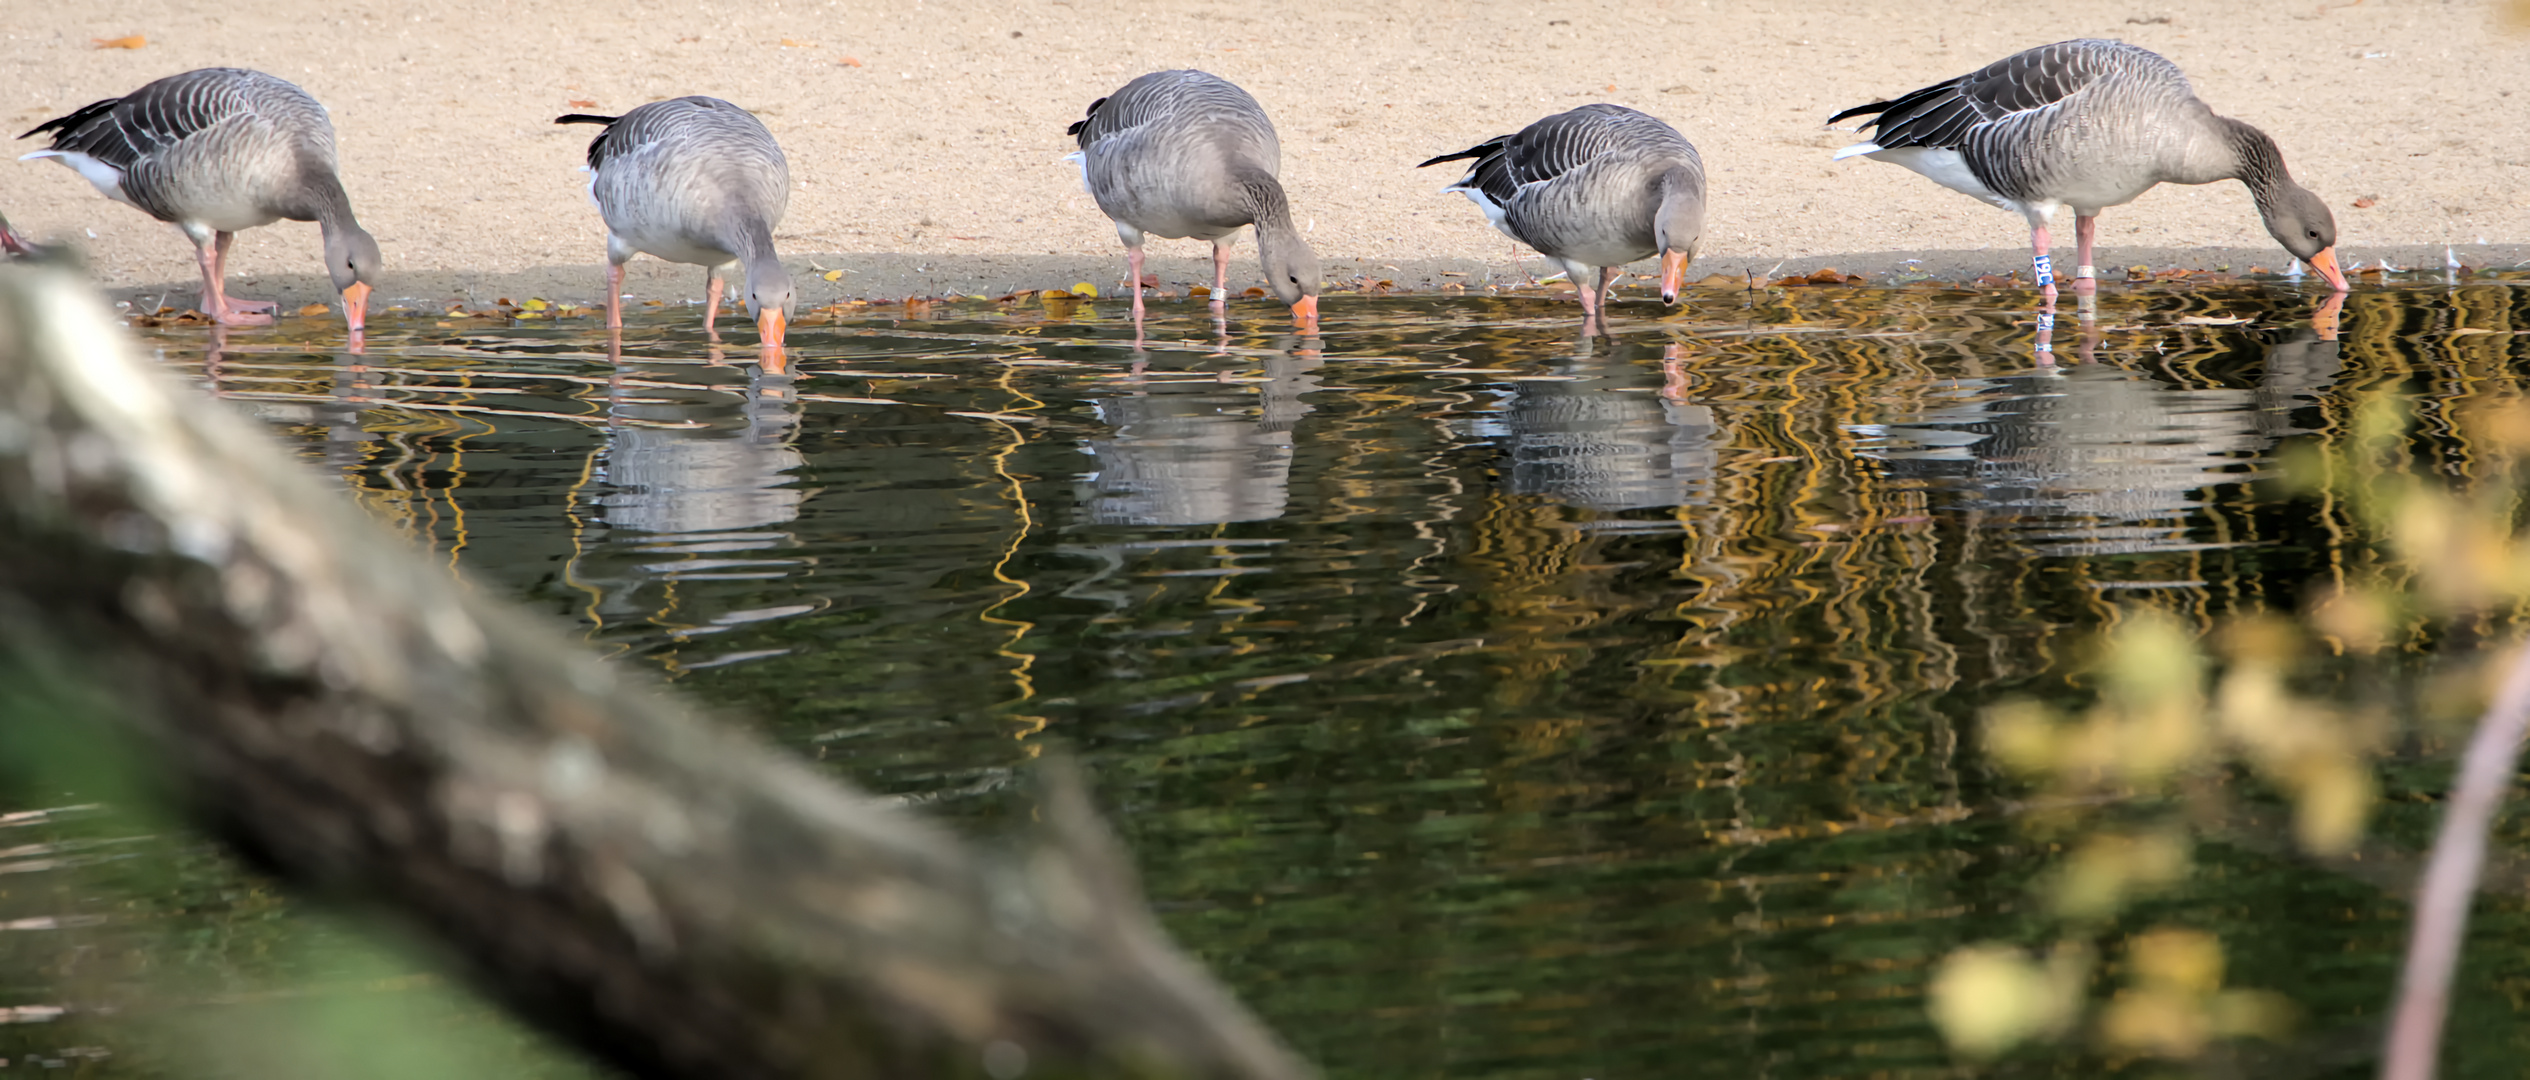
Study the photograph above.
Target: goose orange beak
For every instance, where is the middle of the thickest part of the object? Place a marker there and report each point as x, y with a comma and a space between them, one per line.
1673, 271
2326, 263
770, 326
356, 306
1305, 313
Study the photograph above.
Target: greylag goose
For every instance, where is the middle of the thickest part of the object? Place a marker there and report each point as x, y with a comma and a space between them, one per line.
2088, 124
1593, 189
1187, 154
215, 151
693, 180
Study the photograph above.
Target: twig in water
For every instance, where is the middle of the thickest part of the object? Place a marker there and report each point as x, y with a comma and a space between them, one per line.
2450, 880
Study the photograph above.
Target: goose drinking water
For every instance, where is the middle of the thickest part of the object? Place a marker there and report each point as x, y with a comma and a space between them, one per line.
1593, 189
1183, 153
2088, 124
215, 151
693, 180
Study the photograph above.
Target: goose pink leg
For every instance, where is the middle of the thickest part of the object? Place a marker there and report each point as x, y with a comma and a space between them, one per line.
1133, 283
216, 302
2083, 229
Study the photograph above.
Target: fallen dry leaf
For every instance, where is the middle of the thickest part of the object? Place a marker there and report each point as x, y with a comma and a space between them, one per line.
1253, 291
581, 103
132, 42
788, 43
2365, 203
850, 61
1720, 281
1150, 281
314, 310
1083, 288
1199, 290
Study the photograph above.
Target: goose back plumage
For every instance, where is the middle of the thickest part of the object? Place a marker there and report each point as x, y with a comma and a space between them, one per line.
2086, 124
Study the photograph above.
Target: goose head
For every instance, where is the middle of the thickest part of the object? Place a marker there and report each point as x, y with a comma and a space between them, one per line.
770, 298
352, 261
2301, 222
1676, 228
1291, 271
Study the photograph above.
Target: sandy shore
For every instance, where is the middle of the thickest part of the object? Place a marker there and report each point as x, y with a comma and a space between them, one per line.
926, 137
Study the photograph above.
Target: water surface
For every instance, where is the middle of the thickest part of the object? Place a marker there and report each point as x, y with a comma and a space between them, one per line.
1478, 700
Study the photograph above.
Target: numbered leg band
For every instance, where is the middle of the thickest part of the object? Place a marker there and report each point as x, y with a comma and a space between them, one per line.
2046, 270
2046, 327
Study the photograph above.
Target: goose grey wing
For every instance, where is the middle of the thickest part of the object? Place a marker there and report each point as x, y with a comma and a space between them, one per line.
123, 132
1567, 141
1942, 115
1181, 105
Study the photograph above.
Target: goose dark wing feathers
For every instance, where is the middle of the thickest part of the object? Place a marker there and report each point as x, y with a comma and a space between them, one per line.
1941, 116
598, 151
125, 131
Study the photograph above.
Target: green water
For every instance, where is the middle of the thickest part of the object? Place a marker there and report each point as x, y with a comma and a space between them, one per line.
1478, 701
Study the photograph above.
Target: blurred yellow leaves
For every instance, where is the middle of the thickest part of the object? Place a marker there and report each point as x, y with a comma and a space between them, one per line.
2184, 712
2174, 1003
2154, 724
1987, 999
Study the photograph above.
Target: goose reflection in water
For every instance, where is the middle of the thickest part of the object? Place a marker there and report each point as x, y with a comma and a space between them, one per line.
1610, 433
353, 390
2090, 458
1189, 452
700, 485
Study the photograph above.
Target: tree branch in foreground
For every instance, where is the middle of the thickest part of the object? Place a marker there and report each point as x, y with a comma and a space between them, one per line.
669, 893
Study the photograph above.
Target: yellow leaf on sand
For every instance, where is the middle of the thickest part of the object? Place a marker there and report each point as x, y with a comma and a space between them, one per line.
132, 42
534, 304
313, 310
1083, 288
834, 275
1199, 290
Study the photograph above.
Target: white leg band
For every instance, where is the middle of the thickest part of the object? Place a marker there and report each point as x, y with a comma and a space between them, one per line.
2083, 272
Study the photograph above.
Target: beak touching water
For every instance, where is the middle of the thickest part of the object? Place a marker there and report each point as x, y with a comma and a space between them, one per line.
770, 325
2326, 263
1305, 313
1673, 268
356, 306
